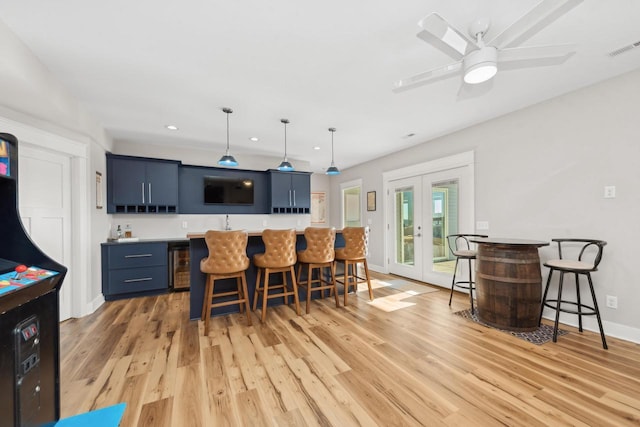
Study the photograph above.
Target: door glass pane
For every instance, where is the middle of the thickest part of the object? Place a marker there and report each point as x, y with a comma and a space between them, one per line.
444, 208
404, 226
351, 203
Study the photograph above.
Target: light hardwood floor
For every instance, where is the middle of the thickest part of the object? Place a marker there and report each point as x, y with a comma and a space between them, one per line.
353, 366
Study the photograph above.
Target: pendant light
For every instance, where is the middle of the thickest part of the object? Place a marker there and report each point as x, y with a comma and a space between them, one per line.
332, 170
285, 166
227, 159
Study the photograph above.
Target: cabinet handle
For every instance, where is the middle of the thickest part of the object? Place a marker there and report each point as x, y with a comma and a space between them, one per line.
294, 197
150, 193
142, 187
138, 256
144, 279
289, 197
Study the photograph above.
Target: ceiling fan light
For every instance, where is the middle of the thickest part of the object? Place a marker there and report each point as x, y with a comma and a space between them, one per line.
480, 65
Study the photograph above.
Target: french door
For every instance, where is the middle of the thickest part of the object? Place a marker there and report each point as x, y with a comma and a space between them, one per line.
406, 244
425, 209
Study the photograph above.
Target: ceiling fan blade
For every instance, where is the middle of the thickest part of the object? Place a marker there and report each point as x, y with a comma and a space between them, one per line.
427, 77
542, 14
440, 34
535, 52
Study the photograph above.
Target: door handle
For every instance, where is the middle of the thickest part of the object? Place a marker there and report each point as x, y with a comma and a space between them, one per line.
418, 235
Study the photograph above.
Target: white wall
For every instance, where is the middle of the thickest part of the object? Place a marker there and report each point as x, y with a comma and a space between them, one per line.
540, 173
32, 96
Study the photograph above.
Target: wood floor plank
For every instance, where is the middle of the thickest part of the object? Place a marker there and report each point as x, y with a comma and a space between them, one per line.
348, 366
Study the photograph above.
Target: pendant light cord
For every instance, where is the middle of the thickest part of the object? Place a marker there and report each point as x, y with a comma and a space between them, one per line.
332, 130
285, 121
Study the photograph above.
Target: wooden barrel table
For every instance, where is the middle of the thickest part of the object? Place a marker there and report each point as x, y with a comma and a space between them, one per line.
509, 283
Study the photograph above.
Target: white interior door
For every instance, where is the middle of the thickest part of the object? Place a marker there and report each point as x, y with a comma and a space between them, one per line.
45, 209
405, 228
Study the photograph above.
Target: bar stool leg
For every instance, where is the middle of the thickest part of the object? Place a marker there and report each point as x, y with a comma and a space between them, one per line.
470, 287
295, 290
206, 304
595, 306
453, 282
579, 302
555, 325
245, 292
366, 273
544, 297
265, 293
257, 290
309, 280
334, 290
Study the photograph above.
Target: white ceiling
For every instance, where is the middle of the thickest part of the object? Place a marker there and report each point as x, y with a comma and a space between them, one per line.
140, 65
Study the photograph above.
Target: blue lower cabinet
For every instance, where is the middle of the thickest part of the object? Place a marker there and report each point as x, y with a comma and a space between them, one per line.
134, 269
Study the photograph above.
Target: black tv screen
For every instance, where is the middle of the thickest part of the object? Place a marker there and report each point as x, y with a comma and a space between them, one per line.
222, 190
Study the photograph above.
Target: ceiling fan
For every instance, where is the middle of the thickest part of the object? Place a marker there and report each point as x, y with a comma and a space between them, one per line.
478, 60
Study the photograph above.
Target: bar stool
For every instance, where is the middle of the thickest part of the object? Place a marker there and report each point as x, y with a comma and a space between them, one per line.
587, 261
279, 257
227, 259
355, 251
318, 256
461, 248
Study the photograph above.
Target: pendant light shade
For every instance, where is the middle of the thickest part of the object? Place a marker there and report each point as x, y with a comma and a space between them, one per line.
285, 166
332, 170
227, 159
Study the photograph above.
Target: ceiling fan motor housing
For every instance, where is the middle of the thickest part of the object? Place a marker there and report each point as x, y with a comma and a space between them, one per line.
480, 65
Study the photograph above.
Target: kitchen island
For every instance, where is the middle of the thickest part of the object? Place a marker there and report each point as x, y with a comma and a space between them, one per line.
198, 250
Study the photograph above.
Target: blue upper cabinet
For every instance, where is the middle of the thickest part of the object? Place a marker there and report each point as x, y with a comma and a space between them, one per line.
140, 185
290, 192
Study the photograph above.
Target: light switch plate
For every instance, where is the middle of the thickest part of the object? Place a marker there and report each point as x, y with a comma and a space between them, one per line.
482, 225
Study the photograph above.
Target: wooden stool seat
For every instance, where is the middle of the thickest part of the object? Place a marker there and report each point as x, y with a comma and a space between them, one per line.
279, 257
355, 251
227, 260
318, 256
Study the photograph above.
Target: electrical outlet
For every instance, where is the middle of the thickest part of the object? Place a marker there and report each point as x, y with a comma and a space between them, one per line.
612, 302
184, 225
610, 192
482, 225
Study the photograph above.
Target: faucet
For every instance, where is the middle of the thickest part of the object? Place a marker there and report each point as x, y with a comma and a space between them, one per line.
226, 225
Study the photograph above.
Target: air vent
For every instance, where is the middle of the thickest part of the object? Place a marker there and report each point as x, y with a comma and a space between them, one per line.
624, 49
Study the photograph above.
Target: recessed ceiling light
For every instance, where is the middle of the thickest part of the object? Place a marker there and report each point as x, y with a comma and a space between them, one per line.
316, 148
172, 127
254, 139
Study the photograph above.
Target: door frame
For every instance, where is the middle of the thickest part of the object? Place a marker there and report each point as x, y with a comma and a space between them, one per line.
464, 159
76, 149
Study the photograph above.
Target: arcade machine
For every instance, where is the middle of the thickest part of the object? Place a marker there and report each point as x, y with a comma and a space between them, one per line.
29, 328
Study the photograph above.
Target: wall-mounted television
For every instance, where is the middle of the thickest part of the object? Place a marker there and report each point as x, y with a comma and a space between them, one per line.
224, 190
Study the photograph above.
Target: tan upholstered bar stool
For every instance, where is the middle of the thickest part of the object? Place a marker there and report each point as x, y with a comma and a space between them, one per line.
461, 248
317, 257
279, 257
227, 259
356, 248
589, 255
